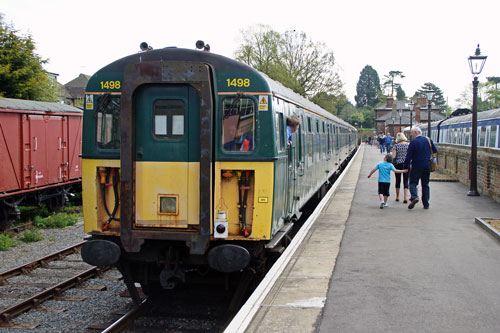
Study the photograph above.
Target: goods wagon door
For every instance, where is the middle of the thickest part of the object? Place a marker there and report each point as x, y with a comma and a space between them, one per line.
38, 151
167, 156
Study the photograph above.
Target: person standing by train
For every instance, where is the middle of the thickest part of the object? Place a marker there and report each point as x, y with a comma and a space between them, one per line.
418, 157
399, 156
292, 124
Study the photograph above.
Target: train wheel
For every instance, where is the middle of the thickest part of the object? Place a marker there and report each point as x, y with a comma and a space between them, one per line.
151, 288
56, 204
4, 217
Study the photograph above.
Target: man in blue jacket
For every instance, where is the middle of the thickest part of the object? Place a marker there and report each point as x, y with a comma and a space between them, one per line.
388, 142
419, 156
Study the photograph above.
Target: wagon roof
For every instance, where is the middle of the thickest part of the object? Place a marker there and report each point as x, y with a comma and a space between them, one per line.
22, 104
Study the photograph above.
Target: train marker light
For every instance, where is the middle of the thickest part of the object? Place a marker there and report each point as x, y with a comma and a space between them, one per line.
221, 225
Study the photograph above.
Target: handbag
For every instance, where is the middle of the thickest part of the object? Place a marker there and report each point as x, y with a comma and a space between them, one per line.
434, 163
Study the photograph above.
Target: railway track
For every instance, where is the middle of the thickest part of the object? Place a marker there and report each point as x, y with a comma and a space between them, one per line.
41, 291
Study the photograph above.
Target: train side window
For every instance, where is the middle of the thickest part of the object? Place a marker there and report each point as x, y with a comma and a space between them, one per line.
493, 136
482, 136
168, 115
279, 123
309, 128
238, 124
108, 122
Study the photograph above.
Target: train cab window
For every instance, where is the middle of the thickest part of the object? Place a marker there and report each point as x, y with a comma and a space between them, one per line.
493, 136
238, 124
168, 115
108, 122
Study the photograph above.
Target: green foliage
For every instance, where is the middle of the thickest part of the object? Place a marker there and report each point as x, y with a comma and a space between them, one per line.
368, 87
437, 99
330, 103
291, 58
390, 80
400, 94
21, 72
31, 236
59, 220
6, 242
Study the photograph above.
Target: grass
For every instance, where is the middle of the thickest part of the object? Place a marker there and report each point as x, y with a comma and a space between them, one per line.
6, 241
31, 236
59, 220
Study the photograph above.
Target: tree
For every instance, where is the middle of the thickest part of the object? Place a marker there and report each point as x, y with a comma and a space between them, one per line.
368, 87
291, 58
493, 91
330, 103
437, 98
390, 80
400, 94
21, 72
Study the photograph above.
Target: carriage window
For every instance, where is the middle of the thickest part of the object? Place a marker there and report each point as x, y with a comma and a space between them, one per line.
168, 115
482, 136
238, 124
108, 122
493, 136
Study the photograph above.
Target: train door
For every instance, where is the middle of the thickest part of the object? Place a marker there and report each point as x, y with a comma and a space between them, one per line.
167, 156
293, 163
38, 156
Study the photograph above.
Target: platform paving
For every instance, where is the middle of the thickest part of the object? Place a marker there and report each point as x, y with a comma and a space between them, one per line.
366, 269
402, 270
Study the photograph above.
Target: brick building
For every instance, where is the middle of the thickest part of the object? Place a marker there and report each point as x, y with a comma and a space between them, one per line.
393, 116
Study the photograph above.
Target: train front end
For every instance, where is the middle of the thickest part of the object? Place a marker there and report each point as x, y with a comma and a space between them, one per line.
173, 173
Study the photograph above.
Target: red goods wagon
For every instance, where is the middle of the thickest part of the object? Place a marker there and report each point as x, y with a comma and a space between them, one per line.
40, 147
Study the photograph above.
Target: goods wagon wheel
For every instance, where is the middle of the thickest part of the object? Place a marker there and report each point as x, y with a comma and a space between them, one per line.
56, 204
4, 217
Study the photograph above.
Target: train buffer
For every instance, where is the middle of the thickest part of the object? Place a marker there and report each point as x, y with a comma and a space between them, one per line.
366, 269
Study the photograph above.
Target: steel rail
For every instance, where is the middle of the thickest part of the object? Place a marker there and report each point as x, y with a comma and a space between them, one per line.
124, 321
41, 262
52, 292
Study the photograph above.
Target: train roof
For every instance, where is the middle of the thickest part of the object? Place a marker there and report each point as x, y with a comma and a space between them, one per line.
494, 113
27, 105
483, 115
220, 64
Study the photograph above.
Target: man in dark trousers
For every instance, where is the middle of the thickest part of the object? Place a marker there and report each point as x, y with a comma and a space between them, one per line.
419, 156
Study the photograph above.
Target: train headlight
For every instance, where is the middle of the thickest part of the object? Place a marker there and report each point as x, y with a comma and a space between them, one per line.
168, 205
221, 225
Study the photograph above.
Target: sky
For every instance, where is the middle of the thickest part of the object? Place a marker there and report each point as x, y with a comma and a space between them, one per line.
428, 40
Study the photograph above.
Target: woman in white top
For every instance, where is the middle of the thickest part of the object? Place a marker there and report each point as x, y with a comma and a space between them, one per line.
399, 155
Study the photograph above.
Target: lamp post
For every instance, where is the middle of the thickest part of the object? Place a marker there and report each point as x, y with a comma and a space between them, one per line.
400, 115
392, 126
410, 105
476, 64
429, 93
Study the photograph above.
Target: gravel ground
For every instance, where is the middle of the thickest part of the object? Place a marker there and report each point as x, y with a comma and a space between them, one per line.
77, 315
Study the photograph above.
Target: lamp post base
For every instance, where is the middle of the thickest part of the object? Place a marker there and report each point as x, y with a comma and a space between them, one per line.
473, 193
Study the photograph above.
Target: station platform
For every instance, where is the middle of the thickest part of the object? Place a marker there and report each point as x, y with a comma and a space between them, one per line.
365, 269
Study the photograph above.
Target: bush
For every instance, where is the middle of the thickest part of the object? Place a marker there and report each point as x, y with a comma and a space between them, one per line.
31, 236
6, 242
59, 220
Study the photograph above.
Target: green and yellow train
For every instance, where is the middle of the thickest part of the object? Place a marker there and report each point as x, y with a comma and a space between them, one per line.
187, 165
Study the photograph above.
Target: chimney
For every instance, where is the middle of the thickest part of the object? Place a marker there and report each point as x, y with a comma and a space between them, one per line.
417, 114
422, 101
390, 101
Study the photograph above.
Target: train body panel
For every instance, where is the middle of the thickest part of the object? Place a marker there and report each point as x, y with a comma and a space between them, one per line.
40, 144
193, 149
457, 130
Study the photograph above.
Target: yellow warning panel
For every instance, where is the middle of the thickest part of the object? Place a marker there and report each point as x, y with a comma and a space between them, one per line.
263, 103
89, 102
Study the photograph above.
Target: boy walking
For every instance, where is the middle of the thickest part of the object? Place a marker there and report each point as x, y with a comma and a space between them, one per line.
384, 178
